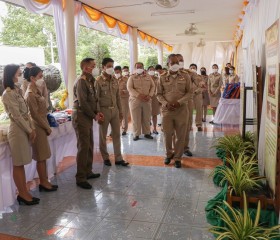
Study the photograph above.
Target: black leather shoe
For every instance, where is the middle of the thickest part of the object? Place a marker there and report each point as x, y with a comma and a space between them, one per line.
199, 129
136, 138
22, 200
54, 186
177, 164
123, 133
93, 175
42, 188
155, 132
188, 153
107, 162
148, 136
211, 122
36, 199
122, 163
84, 185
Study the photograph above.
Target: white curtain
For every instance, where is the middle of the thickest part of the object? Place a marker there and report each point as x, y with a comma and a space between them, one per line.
78, 8
36, 7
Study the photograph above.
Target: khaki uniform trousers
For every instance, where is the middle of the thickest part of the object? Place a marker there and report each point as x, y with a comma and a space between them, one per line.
83, 128
189, 125
141, 115
111, 116
125, 110
175, 121
197, 99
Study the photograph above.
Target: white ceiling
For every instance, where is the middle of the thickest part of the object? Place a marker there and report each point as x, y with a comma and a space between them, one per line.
217, 18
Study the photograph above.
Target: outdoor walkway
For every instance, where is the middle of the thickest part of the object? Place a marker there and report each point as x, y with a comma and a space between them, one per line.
145, 201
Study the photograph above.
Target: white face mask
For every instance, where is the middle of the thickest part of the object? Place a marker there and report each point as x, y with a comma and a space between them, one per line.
151, 73
39, 82
20, 79
174, 68
215, 70
125, 73
110, 71
181, 64
117, 75
139, 71
231, 71
193, 70
95, 72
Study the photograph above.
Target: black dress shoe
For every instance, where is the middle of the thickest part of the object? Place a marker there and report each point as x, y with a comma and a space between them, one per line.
199, 129
188, 153
122, 163
36, 199
148, 136
84, 185
42, 188
211, 122
155, 132
93, 175
123, 133
177, 164
136, 138
54, 186
107, 162
23, 201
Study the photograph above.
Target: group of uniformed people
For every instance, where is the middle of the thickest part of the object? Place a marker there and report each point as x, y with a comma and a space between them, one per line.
173, 93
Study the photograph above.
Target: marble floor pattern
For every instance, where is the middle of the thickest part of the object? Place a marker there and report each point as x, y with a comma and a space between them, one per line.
138, 202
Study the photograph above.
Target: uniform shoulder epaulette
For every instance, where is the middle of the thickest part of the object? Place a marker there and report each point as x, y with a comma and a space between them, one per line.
164, 73
8, 89
83, 77
99, 78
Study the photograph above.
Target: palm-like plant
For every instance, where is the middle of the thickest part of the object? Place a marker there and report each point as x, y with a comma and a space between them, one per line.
240, 226
241, 174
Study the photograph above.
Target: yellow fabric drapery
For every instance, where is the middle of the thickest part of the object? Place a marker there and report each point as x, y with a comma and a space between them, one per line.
142, 35
110, 22
43, 1
93, 14
123, 27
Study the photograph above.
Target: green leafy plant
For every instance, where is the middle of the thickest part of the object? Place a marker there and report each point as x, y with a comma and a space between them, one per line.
240, 226
242, 174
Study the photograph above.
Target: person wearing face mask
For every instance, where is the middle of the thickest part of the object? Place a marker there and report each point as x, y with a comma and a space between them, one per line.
125, 71
141, 89
25, 83
155, 102
159, 70
84, 111
174, 92
124, 96
233, 78
38, 112
21, 131
205, 94
109, 104
215, 82
198, 87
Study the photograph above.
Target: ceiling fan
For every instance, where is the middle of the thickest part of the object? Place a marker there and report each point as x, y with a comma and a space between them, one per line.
167, 3
192, 31
201, 43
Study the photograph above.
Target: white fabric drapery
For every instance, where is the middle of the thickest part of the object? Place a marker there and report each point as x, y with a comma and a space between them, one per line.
36, 7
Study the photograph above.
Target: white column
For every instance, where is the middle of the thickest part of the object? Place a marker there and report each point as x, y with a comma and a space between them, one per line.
70, 48
133, 47
160, 53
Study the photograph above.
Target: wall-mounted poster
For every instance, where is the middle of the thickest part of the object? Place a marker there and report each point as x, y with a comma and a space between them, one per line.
272, 93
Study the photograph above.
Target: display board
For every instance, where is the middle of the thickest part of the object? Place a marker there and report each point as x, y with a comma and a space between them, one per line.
272, 94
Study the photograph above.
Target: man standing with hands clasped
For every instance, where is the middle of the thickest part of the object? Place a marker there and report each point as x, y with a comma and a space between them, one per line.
173, 92
84, 111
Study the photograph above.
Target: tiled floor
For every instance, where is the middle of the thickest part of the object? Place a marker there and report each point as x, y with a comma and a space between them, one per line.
139, 202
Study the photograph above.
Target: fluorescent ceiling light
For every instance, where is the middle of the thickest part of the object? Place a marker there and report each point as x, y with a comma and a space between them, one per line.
172, 13
128, 5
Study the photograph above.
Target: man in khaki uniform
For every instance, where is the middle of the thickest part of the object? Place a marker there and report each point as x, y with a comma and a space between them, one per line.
84, 111
125, 71
124, 96
141, 88
173, 92
198, 86
109, 103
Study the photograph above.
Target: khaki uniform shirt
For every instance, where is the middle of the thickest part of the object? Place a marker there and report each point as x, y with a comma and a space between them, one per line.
215, 83
155, 79
176, 88
37, 106
107, 92
123, 87
17, 109
85, 99
140, 84
24, 86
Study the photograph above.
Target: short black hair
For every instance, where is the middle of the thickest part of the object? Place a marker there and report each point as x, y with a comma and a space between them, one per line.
107, 60
170, 56
150, 67
31, 63
9, 74
215, 65
32, 72
179, 55
193, 65
117, 68
125, 67
138, 63
85, 61
158, 67
229, 64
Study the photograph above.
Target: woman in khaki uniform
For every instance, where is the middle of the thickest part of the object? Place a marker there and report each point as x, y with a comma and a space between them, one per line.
38, 112
215, 82
20, 132
205, 94
155, 102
